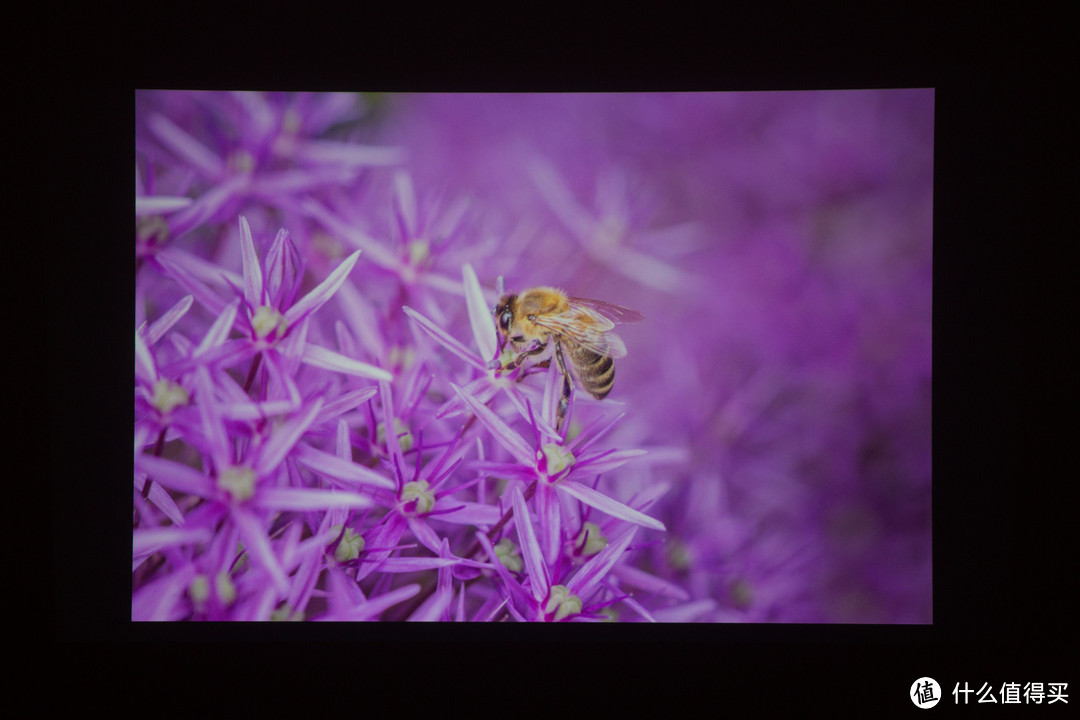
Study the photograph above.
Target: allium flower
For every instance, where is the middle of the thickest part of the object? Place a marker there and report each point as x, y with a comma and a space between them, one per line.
328, 425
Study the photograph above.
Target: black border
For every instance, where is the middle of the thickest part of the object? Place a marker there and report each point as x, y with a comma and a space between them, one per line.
1001, 327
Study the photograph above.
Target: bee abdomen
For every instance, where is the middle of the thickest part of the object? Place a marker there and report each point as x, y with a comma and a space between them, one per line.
596, 372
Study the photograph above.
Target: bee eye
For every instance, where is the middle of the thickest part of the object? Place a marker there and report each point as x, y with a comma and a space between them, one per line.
505, 319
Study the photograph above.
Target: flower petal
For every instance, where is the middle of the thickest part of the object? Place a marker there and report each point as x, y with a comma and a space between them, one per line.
160, 599
373, 250
530, 548
607, 505
175, 476
687, 612
560, 199
443, 338
347, 153
345, 403
512, 586
249, 411
145, 541
213, 429
415, 564
283, 439
253, 279
404, 201
206, 297
145, 368
258, 546
159, 204
374, 607
483, 326
320, 357
600, 463
433, 608
470, 513
423, 532
547, 512
301, 499
482, 388
283, 271
598, 565
323, 292
160, 498
653, 273
207, 205
219, 331
641, 579
186, 147
159, 327
507, 437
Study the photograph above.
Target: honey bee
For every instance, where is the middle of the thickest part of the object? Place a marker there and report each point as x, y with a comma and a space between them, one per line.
580, 329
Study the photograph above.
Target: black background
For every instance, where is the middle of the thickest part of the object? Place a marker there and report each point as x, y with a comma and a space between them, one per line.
1004, 392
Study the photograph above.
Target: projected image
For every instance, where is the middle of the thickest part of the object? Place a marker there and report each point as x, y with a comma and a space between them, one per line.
659, 357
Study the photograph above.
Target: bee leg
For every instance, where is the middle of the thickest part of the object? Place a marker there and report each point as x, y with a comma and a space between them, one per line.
536, 368
520, 358
567, 388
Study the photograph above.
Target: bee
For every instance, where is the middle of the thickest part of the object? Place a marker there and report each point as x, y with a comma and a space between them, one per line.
581, 332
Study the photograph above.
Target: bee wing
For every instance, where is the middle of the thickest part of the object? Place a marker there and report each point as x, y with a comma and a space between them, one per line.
608, 344
615, 313
585, 328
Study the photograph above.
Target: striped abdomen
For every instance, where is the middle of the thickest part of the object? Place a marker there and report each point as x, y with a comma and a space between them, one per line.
595, 372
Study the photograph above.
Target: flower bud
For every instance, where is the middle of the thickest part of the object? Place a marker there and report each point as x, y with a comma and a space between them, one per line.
199, 589
508, 555
350, 546
590, 540
169, 395
418, 491
225, 589
266, 320
562, 603
557, 458
237, 481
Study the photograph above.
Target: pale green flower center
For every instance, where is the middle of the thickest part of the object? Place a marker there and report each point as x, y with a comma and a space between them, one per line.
562, 603
199, 589
573, 430
401, 357
592, 539
418, 491
266, 320
508, 555
290, 122
152, 230
241, 162
558, 458
327, 245
285, 613
238, 482
352, 543
241, 558
226, 591
419, 251
169, 395
678, 554
742, 594
609, 234
506, 357
401, 430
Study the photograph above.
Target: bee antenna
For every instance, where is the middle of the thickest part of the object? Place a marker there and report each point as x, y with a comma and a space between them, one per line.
500, 289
